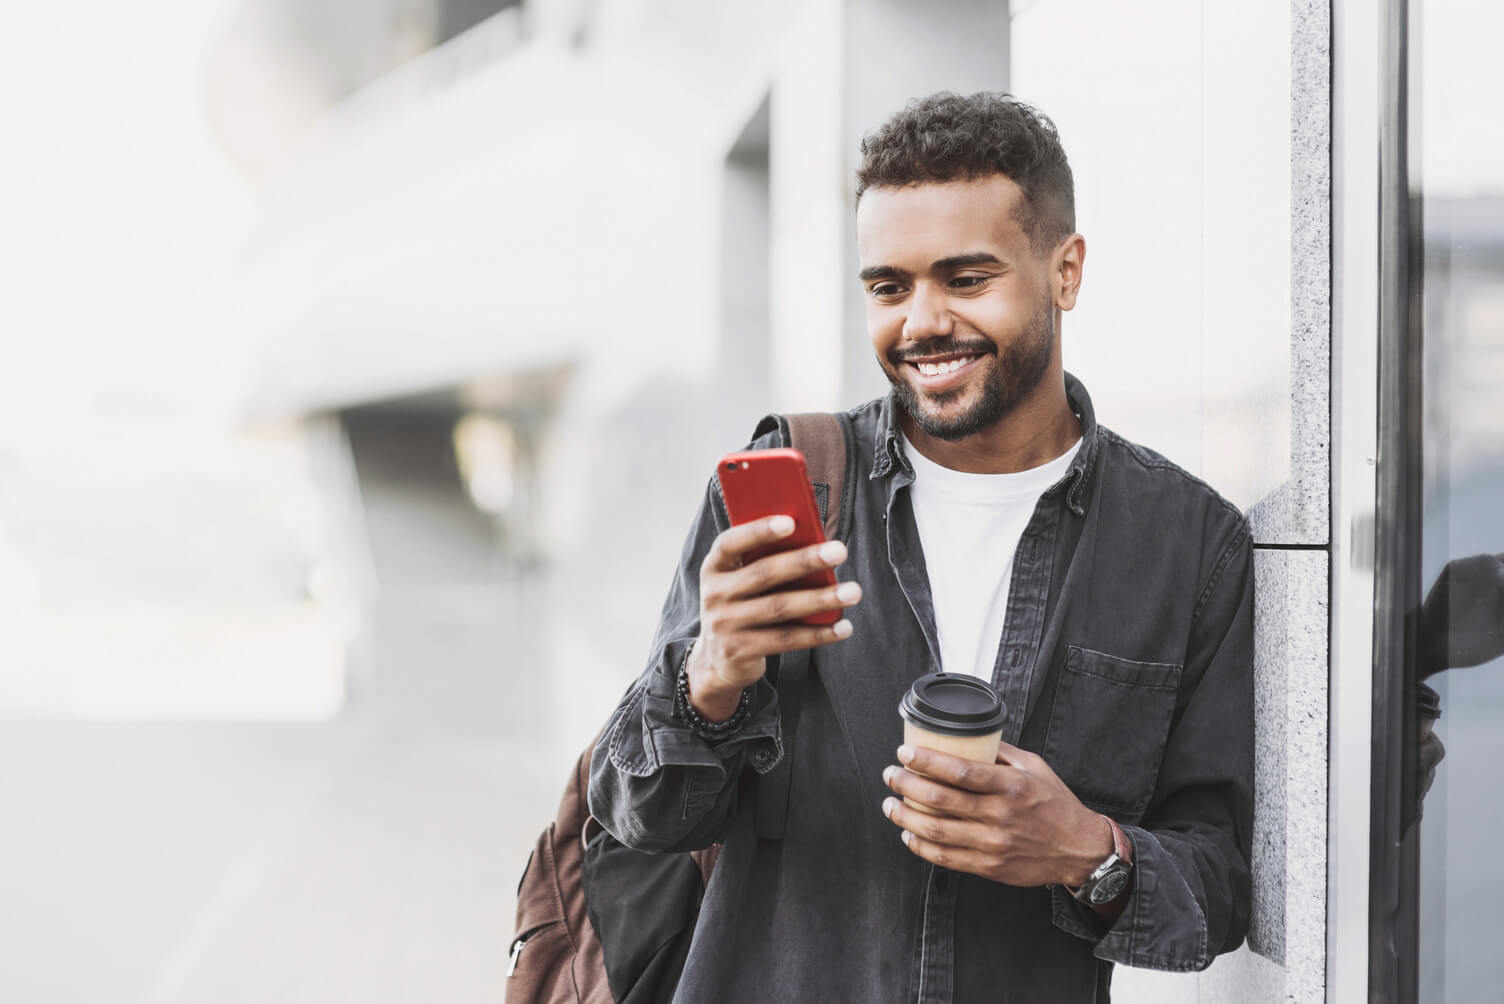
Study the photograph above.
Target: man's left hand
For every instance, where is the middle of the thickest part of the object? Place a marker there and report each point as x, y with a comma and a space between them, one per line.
1011, 821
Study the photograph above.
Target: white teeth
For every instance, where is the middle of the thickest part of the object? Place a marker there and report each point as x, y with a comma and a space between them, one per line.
936, 369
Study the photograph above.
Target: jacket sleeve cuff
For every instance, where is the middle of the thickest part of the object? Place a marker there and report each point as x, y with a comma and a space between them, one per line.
648, 736
1162, 925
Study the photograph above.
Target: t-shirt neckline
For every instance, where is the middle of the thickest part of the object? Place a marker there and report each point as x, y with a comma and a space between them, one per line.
987, 487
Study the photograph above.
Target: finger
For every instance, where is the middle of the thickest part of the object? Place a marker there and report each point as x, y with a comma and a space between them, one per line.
791, 605
758, 577
958, 772
957, 859
730, 545
1015, 757
943, 798
963, 834
763, 642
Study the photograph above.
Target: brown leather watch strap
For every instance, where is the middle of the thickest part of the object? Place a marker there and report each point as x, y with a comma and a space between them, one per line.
1120, 841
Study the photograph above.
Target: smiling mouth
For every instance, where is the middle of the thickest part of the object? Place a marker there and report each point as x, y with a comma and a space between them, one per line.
943, 366
937, 369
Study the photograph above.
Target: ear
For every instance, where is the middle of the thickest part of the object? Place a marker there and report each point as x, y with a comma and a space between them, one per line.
1065, 270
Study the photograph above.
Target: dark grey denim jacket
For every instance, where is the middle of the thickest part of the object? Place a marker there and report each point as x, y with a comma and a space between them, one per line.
1126, 662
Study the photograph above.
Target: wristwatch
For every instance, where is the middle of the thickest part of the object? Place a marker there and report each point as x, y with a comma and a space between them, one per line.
1111, 877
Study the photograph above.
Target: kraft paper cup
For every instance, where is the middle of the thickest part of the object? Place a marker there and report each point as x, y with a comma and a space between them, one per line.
955, 714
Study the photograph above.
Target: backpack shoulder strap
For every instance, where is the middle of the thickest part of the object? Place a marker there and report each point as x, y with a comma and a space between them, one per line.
826, 440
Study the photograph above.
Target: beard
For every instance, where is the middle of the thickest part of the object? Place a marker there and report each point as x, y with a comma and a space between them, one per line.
1008, 377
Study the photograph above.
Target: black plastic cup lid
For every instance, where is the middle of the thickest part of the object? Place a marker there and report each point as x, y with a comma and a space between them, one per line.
953, 704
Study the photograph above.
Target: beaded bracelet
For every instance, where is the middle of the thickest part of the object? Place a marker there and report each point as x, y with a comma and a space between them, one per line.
702, 727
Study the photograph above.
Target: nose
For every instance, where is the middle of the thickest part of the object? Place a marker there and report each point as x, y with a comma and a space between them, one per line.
928, 316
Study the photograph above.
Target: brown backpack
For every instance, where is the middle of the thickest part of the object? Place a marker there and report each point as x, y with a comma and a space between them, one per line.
557, 953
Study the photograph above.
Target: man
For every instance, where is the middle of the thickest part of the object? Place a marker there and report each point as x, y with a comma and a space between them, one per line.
999, 531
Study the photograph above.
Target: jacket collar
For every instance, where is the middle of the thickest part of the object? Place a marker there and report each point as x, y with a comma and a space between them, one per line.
888, 456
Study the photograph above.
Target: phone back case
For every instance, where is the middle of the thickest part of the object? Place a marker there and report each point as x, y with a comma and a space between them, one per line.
760, 483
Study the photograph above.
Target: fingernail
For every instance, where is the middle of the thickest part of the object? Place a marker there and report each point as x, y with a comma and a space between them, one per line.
888, 774
889, 804
848, 592
781, 525
905, 753
833, 553
842, 628
907, 836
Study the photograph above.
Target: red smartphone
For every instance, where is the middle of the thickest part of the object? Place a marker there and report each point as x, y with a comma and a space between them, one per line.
760, 483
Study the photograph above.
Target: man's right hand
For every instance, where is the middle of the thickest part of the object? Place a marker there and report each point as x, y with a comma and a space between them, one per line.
742, 621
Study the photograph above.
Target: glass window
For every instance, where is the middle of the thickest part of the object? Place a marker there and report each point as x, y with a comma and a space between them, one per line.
1458, 148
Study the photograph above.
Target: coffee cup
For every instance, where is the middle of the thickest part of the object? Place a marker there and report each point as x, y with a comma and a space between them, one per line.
953, 713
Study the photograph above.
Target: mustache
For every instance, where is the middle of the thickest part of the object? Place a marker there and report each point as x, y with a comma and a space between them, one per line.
942, 347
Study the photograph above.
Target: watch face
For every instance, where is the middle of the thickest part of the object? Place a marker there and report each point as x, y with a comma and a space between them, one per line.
1109, 887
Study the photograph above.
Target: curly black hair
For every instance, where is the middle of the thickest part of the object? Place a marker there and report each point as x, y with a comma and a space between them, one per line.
946, 137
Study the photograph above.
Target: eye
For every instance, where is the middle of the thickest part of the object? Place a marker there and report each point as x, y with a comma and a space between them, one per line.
969, 281
885, 290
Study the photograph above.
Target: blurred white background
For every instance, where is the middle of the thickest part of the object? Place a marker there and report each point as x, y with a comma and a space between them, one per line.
362, 365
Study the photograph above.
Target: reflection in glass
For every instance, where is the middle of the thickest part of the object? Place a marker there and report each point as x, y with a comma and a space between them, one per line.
1461, 625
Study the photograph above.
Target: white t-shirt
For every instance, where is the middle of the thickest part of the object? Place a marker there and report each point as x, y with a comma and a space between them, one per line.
969, 527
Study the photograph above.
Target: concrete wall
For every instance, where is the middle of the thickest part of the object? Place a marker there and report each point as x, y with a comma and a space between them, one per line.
1198, 131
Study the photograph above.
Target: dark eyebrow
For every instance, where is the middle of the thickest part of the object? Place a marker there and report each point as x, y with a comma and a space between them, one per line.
967, 260
959, 261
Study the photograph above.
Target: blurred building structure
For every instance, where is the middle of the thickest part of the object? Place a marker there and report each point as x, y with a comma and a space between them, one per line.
660, 228
523, 270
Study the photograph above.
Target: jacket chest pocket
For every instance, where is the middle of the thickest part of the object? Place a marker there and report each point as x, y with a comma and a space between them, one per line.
1107, 729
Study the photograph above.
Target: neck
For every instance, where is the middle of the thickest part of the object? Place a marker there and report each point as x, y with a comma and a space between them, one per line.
1039, 428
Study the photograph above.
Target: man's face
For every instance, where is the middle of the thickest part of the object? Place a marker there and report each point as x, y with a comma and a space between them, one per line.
960, 307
